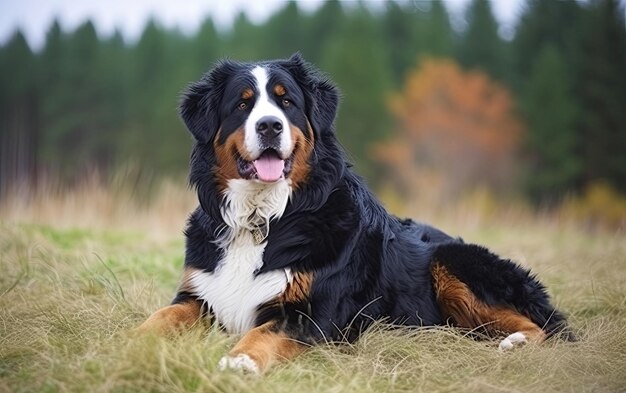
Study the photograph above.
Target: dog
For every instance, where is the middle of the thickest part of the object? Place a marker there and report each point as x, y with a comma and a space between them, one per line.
288, 247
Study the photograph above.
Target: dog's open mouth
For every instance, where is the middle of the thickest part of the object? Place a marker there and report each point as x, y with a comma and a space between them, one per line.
269, 167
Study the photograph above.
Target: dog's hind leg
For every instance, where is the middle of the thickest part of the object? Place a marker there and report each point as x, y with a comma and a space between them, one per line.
460, 305
476, 288
503, 293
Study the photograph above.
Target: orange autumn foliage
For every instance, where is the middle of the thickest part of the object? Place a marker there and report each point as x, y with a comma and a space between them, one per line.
458, 124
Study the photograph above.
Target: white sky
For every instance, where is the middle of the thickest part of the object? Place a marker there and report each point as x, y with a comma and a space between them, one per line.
34, 17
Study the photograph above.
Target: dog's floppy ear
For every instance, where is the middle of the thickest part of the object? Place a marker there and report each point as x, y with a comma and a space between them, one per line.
195, 110
199, 103
322, 95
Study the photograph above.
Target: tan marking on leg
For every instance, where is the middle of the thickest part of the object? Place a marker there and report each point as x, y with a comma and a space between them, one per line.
173, 318
265, 347
510, 321
458, 302
454, 298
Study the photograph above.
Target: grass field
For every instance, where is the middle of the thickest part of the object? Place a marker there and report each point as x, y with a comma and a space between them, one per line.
78, 272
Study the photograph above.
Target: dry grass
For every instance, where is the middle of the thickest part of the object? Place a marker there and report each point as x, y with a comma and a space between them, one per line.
81, 269
126, 201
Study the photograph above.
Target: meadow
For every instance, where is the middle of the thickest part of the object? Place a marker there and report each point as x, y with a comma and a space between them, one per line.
80, 269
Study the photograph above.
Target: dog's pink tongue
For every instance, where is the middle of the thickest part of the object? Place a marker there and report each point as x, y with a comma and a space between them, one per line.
269, 167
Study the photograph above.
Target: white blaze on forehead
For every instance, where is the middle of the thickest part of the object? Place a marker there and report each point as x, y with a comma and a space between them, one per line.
265, 106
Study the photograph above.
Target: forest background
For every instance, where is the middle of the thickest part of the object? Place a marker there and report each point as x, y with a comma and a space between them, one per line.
429, 107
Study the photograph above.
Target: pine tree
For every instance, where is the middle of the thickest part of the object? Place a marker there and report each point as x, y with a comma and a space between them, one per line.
207, 47
399, 26
324, 26
19, 120
552, 140
433, 33
283, 34
71, 105
358, 62
244, 40
602, 94
155, 136
54, 75
85, 134
114, 91
481, 46
541, 22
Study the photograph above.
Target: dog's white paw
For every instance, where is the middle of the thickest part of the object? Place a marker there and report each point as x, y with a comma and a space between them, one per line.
512, 340
241, 362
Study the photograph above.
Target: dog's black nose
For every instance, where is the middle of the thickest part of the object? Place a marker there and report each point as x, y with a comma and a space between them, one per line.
269, 126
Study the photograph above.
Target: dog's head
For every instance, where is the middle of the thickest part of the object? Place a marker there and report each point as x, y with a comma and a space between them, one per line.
259, 121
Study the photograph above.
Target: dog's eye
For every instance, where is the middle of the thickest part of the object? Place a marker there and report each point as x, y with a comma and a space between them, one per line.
286, 102
242, 105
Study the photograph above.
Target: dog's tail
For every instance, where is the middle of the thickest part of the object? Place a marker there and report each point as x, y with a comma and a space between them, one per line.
502, 283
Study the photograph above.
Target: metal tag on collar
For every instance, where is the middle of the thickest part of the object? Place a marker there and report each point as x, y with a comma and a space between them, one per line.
259, 233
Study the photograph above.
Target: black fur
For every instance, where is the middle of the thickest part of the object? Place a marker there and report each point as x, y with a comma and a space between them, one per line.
367, 264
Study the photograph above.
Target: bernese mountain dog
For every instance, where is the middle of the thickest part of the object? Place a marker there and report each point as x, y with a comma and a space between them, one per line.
289, 247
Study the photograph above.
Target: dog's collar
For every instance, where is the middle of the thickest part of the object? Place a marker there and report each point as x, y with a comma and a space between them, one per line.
260, 233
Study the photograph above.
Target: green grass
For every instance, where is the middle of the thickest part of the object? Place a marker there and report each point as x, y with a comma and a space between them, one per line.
69, 298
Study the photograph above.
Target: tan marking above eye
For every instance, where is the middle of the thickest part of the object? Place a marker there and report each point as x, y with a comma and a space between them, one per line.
280, 90
247, 94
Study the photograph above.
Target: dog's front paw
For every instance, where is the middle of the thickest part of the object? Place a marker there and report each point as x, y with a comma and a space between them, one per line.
511, 341
241, 362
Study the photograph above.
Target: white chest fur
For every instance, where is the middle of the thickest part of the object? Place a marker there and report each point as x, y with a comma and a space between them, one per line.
232, 290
